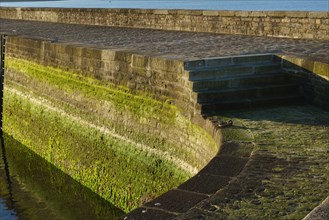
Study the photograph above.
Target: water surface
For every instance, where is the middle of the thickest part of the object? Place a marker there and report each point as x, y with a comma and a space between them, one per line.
255, 5
31, 188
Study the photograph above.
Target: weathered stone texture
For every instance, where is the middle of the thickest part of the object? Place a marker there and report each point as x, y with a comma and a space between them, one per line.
304, 25
312, 78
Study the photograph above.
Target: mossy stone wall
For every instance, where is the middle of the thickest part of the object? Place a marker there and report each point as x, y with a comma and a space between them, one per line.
123, 125
291, 24
312, 78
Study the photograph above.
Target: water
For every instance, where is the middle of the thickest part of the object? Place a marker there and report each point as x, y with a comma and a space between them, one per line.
31, 188
259, 5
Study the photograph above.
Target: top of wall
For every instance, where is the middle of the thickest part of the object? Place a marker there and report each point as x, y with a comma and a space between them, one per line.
226, 13
288, 24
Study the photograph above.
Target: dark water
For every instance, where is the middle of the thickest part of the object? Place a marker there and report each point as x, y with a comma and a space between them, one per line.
31, 188
268, 5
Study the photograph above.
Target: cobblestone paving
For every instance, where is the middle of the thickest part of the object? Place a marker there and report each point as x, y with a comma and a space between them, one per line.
169, 44
288, 172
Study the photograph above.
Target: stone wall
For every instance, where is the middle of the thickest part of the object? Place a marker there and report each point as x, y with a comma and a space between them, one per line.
124, 125
312, 78
301, 25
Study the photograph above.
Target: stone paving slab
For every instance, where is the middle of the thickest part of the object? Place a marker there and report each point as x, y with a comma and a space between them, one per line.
287, 175
172, 201
222, 165
145, 214
320, 212
167, 44
211, 182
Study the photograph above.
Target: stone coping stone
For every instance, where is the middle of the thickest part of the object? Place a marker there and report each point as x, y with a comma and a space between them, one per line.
319, 213
197, 12
177, 201
146, 214
225, 166
319, 68
205, 183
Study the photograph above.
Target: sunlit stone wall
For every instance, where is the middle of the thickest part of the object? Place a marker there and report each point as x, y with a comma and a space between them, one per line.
290, 24
124, 125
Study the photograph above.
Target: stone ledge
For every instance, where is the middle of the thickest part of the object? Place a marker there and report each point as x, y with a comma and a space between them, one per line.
319, 68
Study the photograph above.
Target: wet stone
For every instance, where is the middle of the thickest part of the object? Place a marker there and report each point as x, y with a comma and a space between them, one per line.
225, 166
195, 214
205, 183
177, 201
146, 214
236, 149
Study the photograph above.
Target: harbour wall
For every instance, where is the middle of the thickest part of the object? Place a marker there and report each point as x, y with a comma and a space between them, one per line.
288, 24
124, 125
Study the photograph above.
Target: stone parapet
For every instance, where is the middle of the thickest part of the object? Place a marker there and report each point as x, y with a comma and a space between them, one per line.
288, 24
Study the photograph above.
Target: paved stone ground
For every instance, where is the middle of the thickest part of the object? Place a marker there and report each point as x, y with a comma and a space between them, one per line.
287, 174
273, 165
169, 44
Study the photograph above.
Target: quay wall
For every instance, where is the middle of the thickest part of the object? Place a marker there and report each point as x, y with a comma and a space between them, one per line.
124, 125
311, 76
287, 24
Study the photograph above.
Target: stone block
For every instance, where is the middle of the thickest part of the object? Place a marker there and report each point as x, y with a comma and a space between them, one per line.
226, 13
160, 12
108, 55
306, 64
258, 14
145, 213
204, 183
194, 64
308, 36
321, 69
172, 201
217, 62
210, 13
190, 12
225, 166
140, 11
140, 61
242, 13
279, 14
297, 14
318, 14
122, 56
93, 53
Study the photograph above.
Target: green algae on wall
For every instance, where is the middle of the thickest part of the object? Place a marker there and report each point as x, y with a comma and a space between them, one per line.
124, 145
42, 191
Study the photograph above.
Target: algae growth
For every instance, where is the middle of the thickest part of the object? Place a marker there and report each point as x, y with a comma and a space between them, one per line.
287, 175
124, 145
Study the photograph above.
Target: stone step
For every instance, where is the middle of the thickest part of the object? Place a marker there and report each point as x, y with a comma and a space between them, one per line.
239, 81
223, 61
211, 96
234, 70
209, 109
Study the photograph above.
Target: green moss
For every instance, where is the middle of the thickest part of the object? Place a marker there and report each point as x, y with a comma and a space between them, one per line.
140, 104
117, 171
92, 131
36, 182
287, 166
101, 103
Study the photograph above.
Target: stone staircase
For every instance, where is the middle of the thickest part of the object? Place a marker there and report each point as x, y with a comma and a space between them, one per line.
241, 82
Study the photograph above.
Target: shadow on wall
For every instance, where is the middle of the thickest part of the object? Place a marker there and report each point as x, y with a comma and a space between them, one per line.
312, 78
40, 189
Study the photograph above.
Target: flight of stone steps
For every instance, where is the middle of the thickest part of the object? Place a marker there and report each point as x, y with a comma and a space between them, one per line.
241, 82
